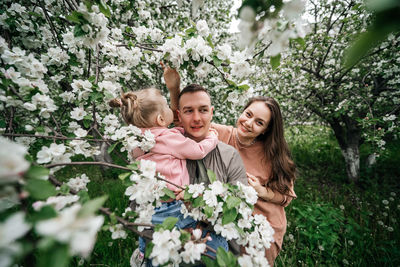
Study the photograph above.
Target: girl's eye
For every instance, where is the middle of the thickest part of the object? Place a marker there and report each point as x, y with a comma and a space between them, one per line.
248, 114
260, 123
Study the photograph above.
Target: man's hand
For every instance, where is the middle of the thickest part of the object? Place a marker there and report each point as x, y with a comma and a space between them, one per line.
171, 78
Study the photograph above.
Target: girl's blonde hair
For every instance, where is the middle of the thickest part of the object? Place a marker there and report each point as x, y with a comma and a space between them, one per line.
138, 107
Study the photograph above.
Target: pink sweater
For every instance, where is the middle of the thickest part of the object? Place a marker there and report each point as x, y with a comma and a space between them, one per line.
172, 149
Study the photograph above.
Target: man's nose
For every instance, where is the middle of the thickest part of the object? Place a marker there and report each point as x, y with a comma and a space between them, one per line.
196, 115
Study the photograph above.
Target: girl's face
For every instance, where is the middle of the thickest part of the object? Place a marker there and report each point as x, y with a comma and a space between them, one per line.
253, 121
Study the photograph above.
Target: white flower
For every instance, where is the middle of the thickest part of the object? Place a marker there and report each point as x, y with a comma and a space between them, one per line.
224, 51
13, 228
30, 106
202, 28
148, 168
196, 189
202, 70
192, 252
245, 261
80, 132
197, 234
12, 160
79, 183
385, 202
166, 247
293, 9
228, 230
78, 113
57, 150
247, 14
79, 232
248, 193
44, 155
59, 202
118, 231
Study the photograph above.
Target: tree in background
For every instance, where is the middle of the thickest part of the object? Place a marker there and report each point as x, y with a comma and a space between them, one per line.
360, 103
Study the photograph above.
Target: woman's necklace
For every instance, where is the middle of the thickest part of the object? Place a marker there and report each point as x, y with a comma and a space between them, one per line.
242, 145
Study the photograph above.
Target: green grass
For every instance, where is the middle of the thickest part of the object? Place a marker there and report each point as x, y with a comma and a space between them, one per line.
331, 223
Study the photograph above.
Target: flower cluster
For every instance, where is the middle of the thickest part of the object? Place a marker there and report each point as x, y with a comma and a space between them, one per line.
79, 183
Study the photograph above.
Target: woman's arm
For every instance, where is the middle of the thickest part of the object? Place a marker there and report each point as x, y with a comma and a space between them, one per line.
268, 194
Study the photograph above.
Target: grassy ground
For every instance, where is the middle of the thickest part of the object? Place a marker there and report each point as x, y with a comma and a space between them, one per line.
331, 223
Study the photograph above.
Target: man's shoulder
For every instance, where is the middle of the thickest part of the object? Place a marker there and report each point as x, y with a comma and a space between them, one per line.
225, 148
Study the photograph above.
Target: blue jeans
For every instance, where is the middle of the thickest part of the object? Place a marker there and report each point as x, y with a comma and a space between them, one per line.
173, 209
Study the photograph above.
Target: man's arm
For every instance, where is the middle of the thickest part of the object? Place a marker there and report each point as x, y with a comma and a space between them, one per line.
173, 83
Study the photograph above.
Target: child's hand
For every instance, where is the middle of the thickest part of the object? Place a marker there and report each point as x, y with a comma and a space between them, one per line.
179, 193
212, 132
171, 78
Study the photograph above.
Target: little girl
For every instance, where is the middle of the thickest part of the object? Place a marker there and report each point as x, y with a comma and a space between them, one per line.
148, 109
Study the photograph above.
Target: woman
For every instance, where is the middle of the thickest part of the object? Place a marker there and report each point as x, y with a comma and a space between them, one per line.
259, 138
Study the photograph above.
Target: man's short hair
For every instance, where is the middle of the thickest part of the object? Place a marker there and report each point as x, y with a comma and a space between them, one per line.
192, 88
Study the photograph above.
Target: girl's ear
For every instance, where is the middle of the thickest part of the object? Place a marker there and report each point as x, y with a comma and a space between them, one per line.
160, 120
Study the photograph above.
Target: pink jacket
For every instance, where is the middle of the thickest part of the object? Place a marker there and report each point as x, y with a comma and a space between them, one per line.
172, 149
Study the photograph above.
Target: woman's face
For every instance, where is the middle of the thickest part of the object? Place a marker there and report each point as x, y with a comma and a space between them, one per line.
253, 121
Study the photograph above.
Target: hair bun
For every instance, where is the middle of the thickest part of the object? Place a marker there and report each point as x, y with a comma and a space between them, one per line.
115, 103
129, 99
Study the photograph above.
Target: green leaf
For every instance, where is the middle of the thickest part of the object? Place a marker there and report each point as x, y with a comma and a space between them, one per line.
275, 61
229, 216
46, 212
169, 223
210, 41
243, 87
46, 243
91, 206
133, 166
169, 193
209, 262
233, 202
40, 189
64, 189
113, 218
208, 211
112, 147
300, 41
198, 202
149, 249
217, 61
123, 176
37, 172
83, 196
187, 195
211, 176
185, 236
222, 257
76, 17
104, 9
190, 30
87, 123
78, 31
54, 256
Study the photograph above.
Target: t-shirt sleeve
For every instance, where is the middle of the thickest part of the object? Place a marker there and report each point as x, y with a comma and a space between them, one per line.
236, 170
173, 143
224, 132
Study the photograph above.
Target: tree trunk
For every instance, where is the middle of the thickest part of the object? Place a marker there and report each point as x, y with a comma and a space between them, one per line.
351, 155
348, 136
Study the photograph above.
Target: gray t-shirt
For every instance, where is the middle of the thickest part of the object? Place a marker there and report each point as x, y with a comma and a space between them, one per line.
224, 161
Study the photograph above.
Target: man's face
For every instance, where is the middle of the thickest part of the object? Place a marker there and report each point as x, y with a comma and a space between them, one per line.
195, 114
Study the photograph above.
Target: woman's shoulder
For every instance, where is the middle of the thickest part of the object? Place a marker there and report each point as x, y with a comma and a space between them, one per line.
225, 132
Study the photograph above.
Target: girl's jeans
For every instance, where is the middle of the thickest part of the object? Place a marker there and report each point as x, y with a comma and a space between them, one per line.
173, 209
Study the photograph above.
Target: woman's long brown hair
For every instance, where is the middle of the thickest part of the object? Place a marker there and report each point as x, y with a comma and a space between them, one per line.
276, 149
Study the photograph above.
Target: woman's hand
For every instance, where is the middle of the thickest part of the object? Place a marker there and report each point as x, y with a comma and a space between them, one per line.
171, 78
262, 191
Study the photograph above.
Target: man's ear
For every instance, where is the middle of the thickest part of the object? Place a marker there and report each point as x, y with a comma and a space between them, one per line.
179, 115
160, 121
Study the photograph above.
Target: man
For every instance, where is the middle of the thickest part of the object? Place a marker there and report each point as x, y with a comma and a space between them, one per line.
193, 111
